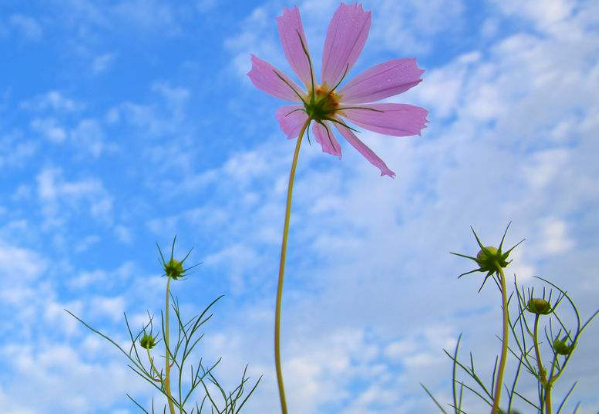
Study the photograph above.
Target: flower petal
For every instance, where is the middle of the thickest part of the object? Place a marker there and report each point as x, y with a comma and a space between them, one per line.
291, 119
364, 150
290, 30
346, 36
326, 139
264, 76
399, 120
382, 81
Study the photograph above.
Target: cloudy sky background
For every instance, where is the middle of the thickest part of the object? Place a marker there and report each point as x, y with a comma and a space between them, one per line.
125, 122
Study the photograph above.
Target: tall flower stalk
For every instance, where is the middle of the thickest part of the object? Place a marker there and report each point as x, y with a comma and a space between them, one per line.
329, 104
279, 301
504, 339
493, 260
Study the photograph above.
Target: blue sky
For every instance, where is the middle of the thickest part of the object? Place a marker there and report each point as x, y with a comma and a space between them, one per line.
125, 122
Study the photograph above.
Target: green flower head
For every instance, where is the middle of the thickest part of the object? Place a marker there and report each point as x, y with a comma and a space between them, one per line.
539, 306
174, 268
561, 346
490, 259
147, 341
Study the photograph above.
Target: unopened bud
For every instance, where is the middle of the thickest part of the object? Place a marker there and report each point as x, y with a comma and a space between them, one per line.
490, 259
562, 348
174, 269
147, 341
538, 306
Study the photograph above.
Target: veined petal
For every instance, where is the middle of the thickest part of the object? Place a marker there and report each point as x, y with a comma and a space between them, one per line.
290, 31
326, 139
346, 36
272, 81
382, 81
291, 119
364, 150
399, 120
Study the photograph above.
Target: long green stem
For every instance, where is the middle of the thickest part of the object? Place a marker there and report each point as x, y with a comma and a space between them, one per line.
282, 271
504, 346
167, 368
548, 409
550, 381
546, 385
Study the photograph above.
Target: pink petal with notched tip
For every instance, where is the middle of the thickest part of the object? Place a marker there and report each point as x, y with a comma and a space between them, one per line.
382, 81
291, 119
264, 76
399, 120
364, 150
290, 30
326, 139
346, 36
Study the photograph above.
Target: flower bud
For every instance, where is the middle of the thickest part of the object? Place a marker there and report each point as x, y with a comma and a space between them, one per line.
174, 269
147, 341
490, 259
538, 306
562, 348
482, 255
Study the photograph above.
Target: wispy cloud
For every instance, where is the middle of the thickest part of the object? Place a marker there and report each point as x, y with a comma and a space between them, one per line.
26, 27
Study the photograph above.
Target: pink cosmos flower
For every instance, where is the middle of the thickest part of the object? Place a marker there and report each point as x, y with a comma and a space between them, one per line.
327, 104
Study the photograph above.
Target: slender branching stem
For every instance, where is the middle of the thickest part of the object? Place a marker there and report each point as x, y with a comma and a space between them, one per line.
282, 270
167, 368
153, 367
504, 341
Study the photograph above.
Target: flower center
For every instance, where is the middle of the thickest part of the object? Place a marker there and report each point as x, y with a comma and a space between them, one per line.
322, 103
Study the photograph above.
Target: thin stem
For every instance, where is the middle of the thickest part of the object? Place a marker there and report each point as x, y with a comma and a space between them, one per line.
548, 398
153, 367
167, 368
549, 386
542, 374
504, 340
282, 271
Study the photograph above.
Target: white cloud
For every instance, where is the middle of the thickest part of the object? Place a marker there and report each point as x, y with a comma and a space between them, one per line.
101, 277
59, 377
61, 198
12, 407
52, 100
112, 307
28, 27
556, 238
102, 63
89, 136
148, 15
409, 27
138, 17
50, 129
15, 150
545, 14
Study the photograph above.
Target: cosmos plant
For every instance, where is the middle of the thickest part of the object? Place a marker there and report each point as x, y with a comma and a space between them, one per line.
527, 310
330, 104
175, 377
